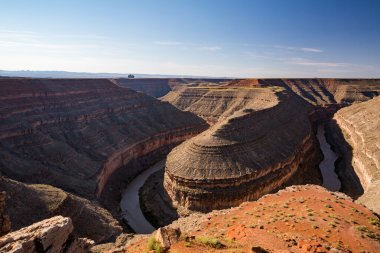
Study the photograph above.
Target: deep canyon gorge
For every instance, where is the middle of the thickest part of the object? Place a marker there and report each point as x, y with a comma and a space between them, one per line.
73, 146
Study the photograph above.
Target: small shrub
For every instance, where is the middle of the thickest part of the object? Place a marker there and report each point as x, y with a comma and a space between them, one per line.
154, 245
374, 221
210, 241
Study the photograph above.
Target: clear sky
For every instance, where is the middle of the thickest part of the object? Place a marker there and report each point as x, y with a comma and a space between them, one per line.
252, 38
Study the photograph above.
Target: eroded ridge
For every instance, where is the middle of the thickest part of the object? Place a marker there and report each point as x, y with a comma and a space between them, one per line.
360, 126
253, 152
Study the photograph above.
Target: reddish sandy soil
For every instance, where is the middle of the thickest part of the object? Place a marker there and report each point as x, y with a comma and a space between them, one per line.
299, 219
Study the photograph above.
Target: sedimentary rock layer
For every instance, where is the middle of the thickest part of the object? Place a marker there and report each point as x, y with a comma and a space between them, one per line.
360, 128
76, 133
219, 102
27, 204
253, 152
329, 91
210, 103
53, 235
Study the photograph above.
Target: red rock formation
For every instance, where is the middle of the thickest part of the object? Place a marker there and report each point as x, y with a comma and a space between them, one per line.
298, 219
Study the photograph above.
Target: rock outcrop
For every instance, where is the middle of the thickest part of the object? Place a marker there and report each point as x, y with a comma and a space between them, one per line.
218, 102
45, 201
356, 136
5, 222
297, 219
76, 134
323, 92
53, 235
257, 150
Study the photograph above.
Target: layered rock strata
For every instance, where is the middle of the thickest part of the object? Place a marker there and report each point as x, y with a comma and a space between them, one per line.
45, 201
219, 102
53, 235
204, 101
253, 152
76, 133
357, 139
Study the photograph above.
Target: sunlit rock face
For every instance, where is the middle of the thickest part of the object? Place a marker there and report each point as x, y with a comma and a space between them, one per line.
357, 138
51, 235
253, 152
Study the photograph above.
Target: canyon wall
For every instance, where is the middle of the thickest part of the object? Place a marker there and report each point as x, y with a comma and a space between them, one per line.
355, 134
74, 133
253, 152
318, 92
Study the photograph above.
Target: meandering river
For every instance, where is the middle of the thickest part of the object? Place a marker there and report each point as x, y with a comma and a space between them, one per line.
130, 202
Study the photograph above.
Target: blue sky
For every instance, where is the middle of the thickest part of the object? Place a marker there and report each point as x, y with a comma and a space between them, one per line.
271, 38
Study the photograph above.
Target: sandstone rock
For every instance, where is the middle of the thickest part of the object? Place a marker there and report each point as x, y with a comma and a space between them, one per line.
243, 157
359, 125
211, 103
167, 236
293, 219
52, 235
5, 222
44, 201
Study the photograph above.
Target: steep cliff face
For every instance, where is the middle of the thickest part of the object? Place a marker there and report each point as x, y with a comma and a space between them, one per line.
357, 138
53, 235
253, 152
44, 201
76, 133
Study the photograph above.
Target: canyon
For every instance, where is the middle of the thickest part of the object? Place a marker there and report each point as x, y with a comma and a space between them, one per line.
255, 151
253, 137
72, 147
356, 137
88, 137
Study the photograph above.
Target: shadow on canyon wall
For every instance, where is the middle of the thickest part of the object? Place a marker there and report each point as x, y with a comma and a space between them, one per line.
351, 184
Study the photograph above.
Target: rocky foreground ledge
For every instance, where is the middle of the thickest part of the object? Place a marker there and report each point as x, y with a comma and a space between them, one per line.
53, 235
297, 219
